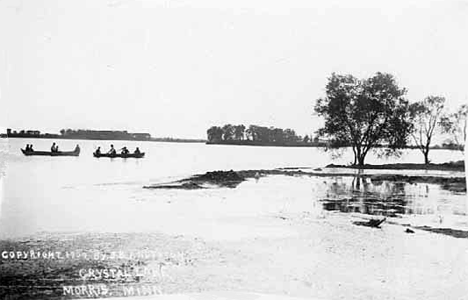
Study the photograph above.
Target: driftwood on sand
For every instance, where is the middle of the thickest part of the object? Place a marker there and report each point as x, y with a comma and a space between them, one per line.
371, 223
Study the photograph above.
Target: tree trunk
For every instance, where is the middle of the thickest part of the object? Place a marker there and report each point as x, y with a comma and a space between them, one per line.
355, 156
361, 159
426, 153
426, 157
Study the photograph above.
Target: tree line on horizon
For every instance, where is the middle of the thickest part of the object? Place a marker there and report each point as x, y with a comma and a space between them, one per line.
254, 133
366, 114
103, 134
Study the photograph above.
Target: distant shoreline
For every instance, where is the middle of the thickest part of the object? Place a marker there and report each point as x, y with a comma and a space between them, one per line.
251, 143
59, 137
302, 144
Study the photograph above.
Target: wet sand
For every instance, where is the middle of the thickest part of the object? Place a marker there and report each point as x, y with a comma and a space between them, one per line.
300, 250
328, 258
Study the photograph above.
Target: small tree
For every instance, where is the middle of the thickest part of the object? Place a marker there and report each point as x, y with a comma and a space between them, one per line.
228, 132
278, 135
426, 116
215, 134
455, 125
251, 133
290, 135
239, 131
364, 114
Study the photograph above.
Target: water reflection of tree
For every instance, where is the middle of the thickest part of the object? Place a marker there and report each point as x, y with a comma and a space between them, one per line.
366, 195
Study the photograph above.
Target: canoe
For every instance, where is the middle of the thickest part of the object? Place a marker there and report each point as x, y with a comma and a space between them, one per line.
48, 153
134, 155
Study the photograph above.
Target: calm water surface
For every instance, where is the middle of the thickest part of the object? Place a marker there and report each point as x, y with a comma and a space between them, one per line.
86, 193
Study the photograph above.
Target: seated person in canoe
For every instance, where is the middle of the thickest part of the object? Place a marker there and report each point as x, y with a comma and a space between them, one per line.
125, 151
54, 148
112, 151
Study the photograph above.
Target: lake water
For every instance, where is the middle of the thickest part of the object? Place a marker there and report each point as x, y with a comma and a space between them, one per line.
42, 193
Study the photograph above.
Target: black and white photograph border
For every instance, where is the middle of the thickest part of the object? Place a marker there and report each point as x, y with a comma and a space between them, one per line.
263, 150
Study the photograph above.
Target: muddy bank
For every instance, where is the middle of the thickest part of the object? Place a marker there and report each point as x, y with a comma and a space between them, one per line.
456, 233
447, 231
232, 179
449, 166
229, 179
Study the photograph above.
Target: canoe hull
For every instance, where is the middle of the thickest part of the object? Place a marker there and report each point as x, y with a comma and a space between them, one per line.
48, 153
130, 155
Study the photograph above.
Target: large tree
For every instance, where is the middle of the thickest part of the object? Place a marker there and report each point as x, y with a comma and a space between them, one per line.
455, 125
364, 114
425, 117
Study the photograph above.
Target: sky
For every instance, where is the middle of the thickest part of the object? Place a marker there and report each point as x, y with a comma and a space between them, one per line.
177, 67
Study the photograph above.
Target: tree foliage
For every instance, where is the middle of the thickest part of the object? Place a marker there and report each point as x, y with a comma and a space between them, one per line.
228, 132
239, 132
215, 134
364, 114
455, 125
425, 116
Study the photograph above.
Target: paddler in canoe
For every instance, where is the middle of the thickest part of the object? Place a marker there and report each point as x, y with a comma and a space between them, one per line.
124, 151
112, 151
54, 148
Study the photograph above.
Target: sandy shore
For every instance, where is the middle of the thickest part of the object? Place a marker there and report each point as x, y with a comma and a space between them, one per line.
328, 258
303, 252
